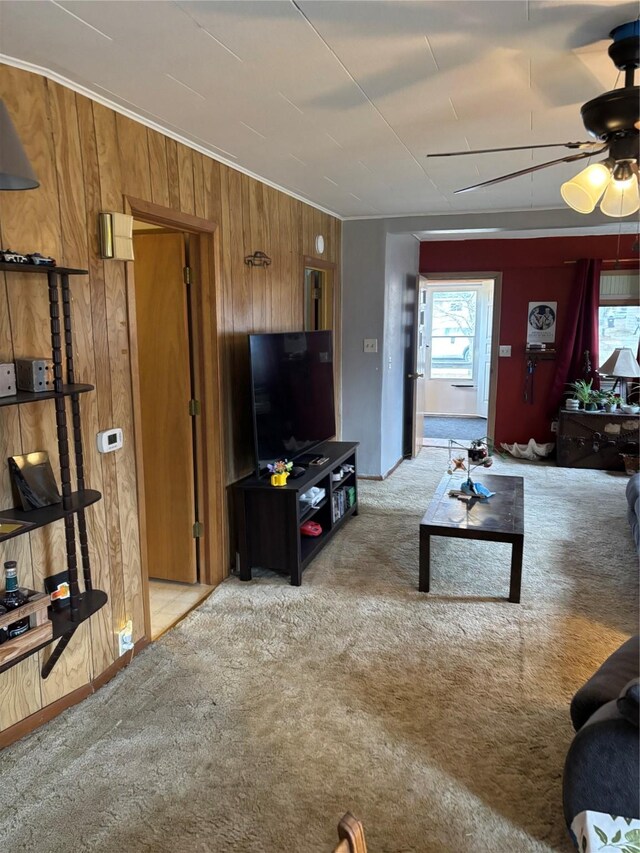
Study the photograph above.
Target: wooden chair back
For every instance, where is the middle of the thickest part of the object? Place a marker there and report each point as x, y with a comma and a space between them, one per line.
351, 835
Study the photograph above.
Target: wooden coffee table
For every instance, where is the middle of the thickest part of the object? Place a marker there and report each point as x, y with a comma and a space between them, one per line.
499, 519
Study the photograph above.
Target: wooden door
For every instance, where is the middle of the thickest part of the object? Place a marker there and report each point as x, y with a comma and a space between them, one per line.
165, 392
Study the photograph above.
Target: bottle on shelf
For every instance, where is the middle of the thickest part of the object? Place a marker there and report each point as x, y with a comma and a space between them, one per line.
12, 598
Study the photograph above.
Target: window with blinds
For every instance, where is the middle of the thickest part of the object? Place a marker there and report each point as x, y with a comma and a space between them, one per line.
619, 312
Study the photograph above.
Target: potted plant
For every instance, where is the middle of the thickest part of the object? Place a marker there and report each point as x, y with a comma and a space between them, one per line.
582, 392
611, 401
279, 472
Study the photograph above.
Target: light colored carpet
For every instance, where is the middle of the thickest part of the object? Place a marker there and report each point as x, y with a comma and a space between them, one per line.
441, 720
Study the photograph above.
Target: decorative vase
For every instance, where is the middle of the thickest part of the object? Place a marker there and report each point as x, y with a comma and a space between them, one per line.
279, 479
572, 405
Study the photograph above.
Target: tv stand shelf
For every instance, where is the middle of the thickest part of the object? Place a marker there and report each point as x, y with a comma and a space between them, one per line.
269, 517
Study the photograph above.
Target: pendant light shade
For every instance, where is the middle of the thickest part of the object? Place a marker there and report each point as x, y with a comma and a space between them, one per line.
583, 192
15, 170
621, 198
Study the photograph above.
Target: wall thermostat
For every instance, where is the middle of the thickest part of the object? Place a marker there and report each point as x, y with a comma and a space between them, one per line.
109, 439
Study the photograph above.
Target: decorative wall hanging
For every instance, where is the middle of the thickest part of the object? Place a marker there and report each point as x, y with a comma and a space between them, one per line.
258, 259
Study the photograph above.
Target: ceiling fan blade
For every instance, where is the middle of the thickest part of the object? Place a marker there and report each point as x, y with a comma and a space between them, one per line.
537, 168
575, 145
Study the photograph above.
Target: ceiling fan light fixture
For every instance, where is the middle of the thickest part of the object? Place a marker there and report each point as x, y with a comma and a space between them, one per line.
622, 198
584, 190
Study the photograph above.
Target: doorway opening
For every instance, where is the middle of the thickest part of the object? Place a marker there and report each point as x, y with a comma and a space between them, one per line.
318, 296
178, 417
455, 331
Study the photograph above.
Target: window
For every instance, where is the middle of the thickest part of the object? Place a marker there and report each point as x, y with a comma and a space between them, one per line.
619, 312
453, 329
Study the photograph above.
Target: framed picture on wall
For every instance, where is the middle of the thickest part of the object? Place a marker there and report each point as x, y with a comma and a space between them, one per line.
541, 322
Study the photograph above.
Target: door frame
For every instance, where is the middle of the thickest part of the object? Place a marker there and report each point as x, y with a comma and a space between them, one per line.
309, 262
495, 329
211, 492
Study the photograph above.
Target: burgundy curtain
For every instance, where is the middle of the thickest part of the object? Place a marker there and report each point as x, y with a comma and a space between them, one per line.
578, 352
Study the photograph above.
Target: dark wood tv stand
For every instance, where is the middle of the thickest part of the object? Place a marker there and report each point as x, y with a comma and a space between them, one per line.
269, 517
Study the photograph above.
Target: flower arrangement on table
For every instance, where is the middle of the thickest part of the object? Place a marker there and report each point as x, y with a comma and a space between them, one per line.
279, 472
477, 455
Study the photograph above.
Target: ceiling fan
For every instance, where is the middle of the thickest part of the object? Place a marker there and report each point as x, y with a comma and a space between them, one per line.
613, 120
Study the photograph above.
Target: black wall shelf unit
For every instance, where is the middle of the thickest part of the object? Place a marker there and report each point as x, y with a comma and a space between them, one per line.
82, 605
269, 517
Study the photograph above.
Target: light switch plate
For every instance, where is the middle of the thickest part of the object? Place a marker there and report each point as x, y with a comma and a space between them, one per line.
371, 345
505, 351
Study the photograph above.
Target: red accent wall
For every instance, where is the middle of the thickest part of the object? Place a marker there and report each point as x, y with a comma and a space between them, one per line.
532, 271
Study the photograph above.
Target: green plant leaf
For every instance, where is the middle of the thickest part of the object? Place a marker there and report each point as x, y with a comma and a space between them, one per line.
617, 837
601, 835
633, 835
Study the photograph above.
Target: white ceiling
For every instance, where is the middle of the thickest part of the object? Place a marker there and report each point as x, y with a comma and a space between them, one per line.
339, 101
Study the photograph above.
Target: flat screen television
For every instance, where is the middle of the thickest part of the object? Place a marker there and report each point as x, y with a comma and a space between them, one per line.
292, 394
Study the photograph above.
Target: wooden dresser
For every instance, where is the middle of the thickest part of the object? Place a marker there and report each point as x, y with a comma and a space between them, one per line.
596, 439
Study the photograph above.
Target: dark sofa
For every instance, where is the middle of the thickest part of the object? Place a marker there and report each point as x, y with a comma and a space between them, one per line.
602, 769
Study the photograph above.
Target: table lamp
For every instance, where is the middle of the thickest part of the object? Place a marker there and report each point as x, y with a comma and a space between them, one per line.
621, 364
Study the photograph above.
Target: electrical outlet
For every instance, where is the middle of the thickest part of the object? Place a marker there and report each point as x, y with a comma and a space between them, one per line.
505, 351
371, 345
125, 638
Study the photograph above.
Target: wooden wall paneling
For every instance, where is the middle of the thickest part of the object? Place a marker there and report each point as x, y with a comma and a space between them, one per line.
297, 268
122, 414
185, 176
215, 510
20, 693
30, 219
242, 319
318, 226
275, 278
213, 190
173, 175
101, 298
259, 277
36, 216
225, 319
75, 250
289, 242
158, 167
134, 158
336, 228
199, 189
90, 350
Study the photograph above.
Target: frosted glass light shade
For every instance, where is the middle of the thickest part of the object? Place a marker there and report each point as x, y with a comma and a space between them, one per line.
583, 191
621, 198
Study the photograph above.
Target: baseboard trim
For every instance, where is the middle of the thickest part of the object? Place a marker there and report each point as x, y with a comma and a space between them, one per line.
381, 477
393, 468
44, 715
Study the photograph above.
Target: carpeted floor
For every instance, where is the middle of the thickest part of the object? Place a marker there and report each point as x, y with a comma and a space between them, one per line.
441, 720
462, 429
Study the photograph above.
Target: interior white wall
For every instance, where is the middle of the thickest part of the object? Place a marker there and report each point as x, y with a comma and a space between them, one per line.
376, 270
401, 269
363, 296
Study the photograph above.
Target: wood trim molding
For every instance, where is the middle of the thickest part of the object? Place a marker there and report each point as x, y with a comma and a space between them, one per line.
211, 461
34, 721
167, 216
